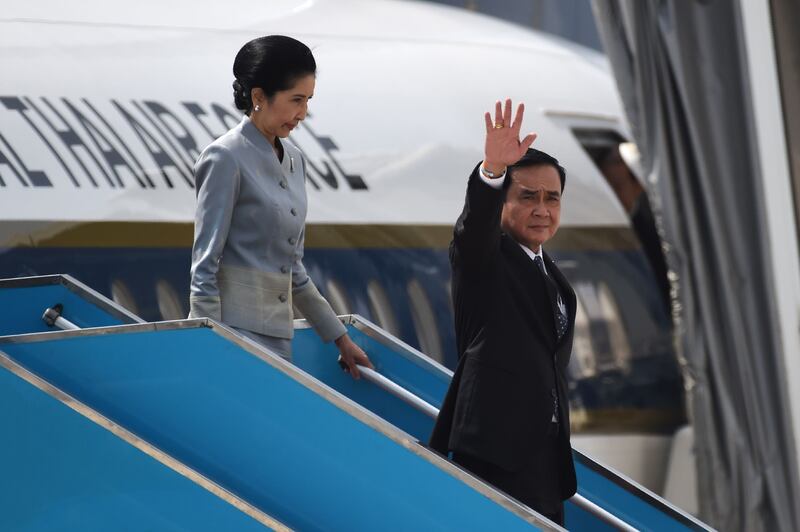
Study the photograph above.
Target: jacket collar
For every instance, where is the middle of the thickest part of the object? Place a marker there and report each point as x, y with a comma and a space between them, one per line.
257, 139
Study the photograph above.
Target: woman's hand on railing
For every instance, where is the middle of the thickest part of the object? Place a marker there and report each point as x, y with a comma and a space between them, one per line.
351, 356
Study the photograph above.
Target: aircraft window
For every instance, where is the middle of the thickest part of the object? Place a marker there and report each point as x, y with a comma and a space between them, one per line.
424, 321
587, 294
603, 359
169, 303
122, 295
381, 307
618, 338
337, 297
583, 361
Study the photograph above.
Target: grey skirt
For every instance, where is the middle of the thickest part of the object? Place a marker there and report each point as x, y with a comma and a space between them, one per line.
279, 346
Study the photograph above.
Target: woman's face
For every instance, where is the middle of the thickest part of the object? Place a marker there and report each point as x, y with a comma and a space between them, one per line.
278, 116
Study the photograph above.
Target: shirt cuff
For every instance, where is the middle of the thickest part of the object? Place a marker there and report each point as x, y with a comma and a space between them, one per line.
496, 183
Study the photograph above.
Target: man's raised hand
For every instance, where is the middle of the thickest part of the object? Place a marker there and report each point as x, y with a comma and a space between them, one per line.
503, 146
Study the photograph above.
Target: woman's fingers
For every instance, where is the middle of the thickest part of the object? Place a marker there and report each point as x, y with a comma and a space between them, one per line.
352, 357
366, 361
352, 367
354, 371
488, 118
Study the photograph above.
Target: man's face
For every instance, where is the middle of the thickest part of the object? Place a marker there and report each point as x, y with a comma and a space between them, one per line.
532, 209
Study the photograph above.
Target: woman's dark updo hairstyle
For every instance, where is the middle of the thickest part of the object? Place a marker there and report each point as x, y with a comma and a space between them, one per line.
272, 63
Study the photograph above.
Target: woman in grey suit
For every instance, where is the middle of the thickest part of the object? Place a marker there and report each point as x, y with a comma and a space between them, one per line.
247, 268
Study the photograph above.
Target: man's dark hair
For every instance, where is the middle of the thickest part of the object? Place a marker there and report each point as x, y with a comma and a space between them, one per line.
534, 157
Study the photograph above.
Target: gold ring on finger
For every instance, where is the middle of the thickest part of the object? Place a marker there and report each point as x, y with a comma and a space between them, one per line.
498, 125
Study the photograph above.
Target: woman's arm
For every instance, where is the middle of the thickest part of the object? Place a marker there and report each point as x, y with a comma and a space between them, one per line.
310, 302
321, 316
217, 187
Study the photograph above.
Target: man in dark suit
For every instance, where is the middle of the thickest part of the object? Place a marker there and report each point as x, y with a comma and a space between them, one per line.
506, 417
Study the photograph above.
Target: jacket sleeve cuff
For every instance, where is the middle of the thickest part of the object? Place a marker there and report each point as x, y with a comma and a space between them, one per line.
205, 307
497, 182
318, 312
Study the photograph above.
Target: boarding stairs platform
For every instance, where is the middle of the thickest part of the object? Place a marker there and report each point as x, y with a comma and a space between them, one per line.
115, 424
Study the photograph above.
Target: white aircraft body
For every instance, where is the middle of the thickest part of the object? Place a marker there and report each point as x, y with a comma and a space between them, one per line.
104, 107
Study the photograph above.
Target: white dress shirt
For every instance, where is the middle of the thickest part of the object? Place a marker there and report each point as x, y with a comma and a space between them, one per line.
496, 182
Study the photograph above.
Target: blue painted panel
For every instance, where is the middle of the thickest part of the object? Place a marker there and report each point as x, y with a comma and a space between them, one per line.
61, 471
21, 309
259, 433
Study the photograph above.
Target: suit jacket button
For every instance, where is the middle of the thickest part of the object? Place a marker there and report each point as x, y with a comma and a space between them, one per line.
284, 269
293, 211
283, 298
283, 184
292, 240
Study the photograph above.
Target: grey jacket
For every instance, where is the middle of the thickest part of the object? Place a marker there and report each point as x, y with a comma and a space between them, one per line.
247, 259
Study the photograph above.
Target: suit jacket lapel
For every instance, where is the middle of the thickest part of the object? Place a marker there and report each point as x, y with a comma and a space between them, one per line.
567, 293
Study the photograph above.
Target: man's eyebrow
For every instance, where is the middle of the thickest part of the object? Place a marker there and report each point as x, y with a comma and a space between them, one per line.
536, 190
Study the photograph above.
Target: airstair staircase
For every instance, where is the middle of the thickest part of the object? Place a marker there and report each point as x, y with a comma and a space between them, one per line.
116, 424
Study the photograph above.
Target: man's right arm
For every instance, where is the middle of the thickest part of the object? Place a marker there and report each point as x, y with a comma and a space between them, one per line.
476, 238
476, 235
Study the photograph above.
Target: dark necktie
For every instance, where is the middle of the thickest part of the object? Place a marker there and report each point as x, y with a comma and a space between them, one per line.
559, 313
561, 321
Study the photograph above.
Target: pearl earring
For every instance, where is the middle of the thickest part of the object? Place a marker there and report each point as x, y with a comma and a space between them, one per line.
258, 108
